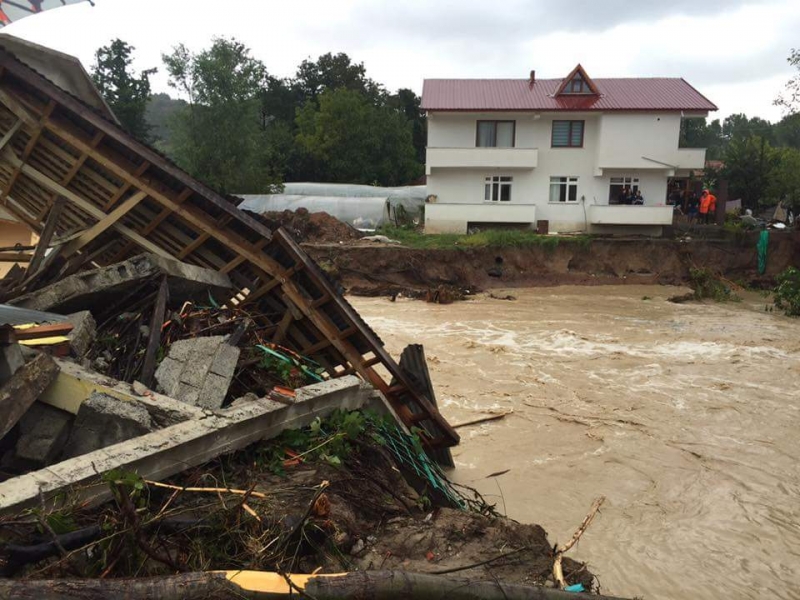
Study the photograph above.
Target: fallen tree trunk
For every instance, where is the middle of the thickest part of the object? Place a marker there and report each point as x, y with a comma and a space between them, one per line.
377, 585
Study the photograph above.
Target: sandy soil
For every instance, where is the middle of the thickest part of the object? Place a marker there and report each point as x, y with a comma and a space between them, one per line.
684, 416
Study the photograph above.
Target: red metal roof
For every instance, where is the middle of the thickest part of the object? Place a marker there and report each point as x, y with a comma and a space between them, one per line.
516, 94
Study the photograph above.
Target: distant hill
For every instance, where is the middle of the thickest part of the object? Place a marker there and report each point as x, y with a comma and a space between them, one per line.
160, 110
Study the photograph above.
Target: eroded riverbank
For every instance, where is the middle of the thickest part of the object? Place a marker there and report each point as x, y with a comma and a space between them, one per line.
684, 416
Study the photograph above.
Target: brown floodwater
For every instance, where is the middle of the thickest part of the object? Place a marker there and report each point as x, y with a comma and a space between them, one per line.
685, 416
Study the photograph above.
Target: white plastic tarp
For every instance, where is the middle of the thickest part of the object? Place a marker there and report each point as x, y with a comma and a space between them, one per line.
362, 206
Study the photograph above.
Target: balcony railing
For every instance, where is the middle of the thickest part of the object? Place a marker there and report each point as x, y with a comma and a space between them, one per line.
603, 214
504, 158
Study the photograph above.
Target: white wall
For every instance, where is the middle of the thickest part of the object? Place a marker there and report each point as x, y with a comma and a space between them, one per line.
631, 133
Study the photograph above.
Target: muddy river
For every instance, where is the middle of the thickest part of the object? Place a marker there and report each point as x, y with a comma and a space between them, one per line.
686, 417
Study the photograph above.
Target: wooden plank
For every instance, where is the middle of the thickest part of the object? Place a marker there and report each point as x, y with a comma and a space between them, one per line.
103, 224
42, 331
23, 388
154, 341
47, 235
283, 326
98, 214
14, 257
10, 133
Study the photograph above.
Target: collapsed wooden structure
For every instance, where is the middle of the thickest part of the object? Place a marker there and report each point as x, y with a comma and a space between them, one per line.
97, 196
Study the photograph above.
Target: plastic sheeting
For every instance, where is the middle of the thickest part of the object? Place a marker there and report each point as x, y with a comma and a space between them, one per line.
362, 206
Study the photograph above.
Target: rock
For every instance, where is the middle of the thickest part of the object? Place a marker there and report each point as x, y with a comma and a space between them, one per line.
139, 388
357, 547
103, 420
11, 359
43, 432
83, 332
198, 371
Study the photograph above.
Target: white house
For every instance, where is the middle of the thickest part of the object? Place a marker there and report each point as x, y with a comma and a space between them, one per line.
556, 150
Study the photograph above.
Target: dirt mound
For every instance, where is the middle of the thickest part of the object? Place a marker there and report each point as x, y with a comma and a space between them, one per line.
311, 227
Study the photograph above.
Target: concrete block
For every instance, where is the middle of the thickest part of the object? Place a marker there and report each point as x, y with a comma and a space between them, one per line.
43, 433
83, 332
98, 287
103, 420
226, 359
198, 371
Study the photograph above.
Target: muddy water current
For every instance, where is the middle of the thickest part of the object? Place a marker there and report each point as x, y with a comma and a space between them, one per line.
686, 417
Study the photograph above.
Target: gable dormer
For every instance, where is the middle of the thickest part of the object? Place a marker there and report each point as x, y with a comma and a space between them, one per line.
577, 83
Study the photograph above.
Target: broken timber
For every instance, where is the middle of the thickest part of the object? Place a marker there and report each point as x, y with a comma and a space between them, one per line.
21, 391
127, 198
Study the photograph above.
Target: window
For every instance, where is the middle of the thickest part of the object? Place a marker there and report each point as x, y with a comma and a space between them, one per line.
563, 189
567, 134
621, 189
495, 134
498, 188
577, 85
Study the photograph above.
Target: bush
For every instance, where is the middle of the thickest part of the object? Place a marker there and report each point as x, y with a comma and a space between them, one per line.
706, 285
787, 294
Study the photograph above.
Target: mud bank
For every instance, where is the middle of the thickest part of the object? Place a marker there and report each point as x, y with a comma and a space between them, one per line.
370, 269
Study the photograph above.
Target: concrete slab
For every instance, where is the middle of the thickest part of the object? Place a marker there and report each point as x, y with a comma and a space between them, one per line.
103, 421
43, 433
82, 334
163, 453
99, 287
74, 384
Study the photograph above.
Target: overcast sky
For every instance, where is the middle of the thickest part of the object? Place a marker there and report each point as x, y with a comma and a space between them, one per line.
734, 52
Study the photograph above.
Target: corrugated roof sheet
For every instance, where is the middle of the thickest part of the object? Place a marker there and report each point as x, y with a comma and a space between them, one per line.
517, 94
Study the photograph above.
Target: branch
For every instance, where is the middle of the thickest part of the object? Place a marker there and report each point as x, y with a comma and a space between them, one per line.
558, 572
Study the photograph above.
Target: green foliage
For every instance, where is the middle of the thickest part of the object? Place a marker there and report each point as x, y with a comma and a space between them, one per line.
331, 440
491, 238
220, 137
333, 72
784, 185
706, 285
787, 292
749, 166
125, 92
790, 100
349, 139
161, 111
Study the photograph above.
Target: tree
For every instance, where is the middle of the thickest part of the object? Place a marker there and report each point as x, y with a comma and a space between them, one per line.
334, 71
749, 165
222, 137
349, 140
407, 103
790, 100
161, 110
125, 92
787, 131
784, 183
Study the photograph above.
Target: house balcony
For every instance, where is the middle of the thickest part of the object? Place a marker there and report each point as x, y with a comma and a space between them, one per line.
691, 158
680, 159
624, 214
466, 158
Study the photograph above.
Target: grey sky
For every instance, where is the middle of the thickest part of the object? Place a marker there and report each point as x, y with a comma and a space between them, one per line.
734, 52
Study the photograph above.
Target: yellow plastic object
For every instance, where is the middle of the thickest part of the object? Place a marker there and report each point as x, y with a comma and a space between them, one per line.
46, 341
272, 583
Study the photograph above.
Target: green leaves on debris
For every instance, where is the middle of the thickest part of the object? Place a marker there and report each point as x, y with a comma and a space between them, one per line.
787, 292
706, 285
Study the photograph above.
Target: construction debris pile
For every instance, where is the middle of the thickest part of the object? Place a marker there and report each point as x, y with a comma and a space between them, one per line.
314, 228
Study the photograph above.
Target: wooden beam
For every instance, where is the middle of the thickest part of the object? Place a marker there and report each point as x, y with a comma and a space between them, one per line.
283, 326
10, 133
24, 387
154, 341
22, 112
47, 234
103, 224
14, 257
84, 205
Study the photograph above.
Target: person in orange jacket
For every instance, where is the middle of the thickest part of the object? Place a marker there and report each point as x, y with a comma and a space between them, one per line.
708, 206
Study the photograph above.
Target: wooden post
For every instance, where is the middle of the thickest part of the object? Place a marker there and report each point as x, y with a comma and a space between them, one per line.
154, 341
47, 235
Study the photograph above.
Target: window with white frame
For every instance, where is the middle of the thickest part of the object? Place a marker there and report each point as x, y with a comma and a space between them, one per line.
563, 189
498, 188
621, 189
